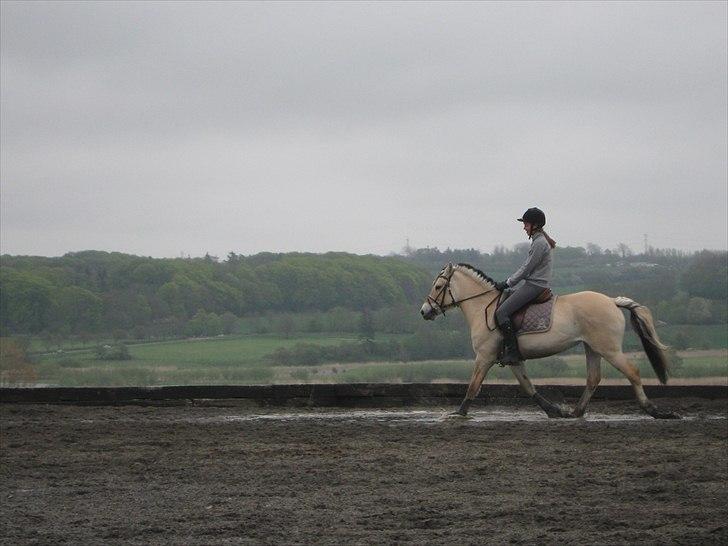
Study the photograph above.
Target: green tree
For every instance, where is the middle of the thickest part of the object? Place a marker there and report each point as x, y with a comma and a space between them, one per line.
213, 325
197, 325
79, 309
698, 311
151, 273
229, 322
366, 326
593, 249
171, 294
623, 250
25, 301
141, 311
707, 275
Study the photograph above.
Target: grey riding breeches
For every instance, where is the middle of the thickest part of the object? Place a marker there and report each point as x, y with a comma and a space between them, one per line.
519, 297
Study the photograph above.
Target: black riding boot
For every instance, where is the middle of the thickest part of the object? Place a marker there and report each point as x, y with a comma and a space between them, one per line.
510, 354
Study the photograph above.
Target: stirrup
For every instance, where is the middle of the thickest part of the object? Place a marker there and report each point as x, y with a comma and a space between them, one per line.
504, 364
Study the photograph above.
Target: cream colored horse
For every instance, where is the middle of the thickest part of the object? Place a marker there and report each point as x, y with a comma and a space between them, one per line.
594, 319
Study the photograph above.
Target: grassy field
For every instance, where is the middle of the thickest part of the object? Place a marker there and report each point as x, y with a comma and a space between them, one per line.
242, 360
222, 360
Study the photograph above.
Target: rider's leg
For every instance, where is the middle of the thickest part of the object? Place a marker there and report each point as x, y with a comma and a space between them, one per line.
510, 355
521, 296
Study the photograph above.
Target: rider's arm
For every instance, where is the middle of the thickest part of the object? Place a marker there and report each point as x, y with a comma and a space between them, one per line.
539, 249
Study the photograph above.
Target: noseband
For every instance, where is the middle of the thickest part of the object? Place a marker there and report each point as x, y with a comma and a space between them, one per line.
438, 302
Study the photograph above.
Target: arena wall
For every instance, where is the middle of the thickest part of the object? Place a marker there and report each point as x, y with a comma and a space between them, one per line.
328, 395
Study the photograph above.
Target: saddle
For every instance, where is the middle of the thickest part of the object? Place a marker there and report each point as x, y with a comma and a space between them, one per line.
536, 316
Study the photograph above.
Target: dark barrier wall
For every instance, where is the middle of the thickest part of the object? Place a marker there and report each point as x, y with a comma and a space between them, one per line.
352, 395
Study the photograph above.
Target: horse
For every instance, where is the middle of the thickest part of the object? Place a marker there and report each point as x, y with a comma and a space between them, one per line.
591, 318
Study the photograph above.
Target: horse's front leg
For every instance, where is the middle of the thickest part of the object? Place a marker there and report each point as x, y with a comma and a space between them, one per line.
551, 409
482, 365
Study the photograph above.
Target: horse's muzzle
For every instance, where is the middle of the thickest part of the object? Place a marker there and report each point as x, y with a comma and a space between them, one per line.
428, 312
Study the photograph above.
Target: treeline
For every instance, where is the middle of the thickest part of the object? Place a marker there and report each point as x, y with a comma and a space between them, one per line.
88, 292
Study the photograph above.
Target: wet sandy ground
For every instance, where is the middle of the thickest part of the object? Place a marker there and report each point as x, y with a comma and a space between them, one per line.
206, 475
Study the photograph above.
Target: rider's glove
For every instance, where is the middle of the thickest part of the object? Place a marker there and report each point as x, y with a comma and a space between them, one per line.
502, 285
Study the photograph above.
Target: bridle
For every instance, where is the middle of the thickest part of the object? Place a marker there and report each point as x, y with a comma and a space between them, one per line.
438, 302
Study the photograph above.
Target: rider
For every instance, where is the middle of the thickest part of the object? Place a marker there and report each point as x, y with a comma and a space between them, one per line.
526, 284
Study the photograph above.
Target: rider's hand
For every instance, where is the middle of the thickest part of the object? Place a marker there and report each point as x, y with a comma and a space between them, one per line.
502, 285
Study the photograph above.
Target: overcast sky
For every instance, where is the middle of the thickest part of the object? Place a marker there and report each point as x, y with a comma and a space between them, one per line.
168, 128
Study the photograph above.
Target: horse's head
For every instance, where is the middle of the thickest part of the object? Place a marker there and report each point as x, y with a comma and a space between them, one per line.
440, 296
454, 285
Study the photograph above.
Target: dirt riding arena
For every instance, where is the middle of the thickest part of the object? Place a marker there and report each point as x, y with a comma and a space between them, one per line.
226, 475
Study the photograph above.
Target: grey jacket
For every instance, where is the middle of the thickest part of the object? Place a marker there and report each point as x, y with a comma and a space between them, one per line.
537, 269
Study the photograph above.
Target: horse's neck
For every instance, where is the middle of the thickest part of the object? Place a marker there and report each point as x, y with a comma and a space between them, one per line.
474, 309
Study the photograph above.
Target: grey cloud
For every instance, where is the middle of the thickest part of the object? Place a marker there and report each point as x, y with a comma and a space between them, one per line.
353, 125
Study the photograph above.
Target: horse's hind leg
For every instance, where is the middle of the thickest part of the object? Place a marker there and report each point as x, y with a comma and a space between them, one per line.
551, 409
593, 376
622, 363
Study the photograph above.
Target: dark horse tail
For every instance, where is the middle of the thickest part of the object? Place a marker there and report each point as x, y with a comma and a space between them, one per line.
644, 325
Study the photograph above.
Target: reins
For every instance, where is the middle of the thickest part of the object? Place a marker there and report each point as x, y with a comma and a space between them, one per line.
497, 302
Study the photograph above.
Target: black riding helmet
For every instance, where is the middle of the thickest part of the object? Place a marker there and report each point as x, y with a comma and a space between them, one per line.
534, 216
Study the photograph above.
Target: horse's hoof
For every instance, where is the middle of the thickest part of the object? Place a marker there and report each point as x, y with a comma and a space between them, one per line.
559, 412
659, 413
664, 414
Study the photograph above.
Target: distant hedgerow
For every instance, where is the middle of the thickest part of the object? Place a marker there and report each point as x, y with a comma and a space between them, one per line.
112, 352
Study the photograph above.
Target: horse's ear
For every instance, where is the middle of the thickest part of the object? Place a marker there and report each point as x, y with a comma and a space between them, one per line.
448, 269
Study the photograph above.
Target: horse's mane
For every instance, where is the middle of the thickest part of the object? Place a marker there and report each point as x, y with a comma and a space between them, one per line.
475, 273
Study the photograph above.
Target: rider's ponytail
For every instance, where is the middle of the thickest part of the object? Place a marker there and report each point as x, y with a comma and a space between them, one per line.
550, 241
